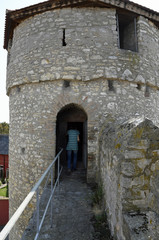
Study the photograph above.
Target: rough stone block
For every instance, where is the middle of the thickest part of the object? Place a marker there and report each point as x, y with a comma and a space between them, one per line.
134, 154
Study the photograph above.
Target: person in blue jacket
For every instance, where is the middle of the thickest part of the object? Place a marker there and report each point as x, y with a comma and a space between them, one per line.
72, 147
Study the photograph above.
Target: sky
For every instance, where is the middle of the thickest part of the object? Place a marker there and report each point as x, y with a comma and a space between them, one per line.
17, 4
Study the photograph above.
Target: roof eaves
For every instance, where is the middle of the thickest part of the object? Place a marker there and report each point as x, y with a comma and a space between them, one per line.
134, 7
13, 18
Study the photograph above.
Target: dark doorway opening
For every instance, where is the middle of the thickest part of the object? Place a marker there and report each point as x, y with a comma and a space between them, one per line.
72, 115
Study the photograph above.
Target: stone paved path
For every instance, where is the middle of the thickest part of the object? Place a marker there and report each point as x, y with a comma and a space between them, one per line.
72, 212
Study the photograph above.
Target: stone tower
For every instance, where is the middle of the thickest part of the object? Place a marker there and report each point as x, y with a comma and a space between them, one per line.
75, 62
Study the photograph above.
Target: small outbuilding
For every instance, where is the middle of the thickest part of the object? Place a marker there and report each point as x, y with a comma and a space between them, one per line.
4, 160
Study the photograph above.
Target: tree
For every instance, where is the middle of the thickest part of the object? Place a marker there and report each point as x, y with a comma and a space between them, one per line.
4, 128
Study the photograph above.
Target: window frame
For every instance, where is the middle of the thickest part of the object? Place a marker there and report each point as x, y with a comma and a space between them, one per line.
120, 18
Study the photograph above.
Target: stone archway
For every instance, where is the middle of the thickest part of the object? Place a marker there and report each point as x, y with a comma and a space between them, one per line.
69, 115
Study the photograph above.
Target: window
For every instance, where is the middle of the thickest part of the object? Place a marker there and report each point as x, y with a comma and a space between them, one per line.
138, 86
63, 39
127, 36
110, 85
66, 84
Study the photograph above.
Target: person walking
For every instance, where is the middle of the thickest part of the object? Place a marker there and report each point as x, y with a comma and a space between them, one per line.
72, 147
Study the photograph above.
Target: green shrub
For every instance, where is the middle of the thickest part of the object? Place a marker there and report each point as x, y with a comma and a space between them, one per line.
3, 192
97, 196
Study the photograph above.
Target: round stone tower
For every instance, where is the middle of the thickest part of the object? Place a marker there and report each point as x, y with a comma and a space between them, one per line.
75, 62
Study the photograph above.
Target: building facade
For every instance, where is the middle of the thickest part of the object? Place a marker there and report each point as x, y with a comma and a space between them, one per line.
4, 160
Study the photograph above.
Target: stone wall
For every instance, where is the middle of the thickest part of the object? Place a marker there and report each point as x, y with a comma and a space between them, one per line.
33, 112
129, 164
91, 52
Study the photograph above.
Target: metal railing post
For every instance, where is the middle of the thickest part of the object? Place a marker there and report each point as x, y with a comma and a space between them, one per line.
58, 171
51, 193
37, 210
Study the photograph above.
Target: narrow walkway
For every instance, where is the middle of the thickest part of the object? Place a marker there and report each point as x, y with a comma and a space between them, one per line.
72, 212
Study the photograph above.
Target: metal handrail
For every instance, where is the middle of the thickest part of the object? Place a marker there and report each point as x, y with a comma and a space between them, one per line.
8, 227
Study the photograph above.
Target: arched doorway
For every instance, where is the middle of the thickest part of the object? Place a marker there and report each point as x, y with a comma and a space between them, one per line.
68, 116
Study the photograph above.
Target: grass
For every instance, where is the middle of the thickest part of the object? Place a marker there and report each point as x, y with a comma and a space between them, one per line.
101, 227
3, 192
97, 196
99, 220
